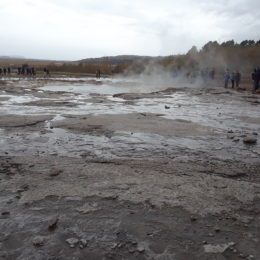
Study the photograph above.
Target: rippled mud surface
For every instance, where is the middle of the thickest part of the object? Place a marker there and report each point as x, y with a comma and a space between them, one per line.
125, 169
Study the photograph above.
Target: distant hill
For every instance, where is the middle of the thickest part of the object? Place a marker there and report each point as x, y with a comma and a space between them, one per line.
120, 59
4, 57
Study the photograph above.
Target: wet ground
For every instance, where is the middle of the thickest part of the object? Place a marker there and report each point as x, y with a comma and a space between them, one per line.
128, 169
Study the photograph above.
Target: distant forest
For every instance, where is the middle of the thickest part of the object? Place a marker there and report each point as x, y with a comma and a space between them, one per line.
243, 56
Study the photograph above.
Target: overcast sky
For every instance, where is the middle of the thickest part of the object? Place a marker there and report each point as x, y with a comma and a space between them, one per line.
77, 29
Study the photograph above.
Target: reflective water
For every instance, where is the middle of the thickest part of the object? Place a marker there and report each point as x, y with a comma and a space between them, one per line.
221, 112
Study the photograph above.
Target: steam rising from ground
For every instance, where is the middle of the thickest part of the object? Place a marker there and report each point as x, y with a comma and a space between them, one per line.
156, 78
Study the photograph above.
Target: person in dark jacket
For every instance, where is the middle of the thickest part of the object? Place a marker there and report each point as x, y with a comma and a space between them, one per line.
256, 78
232, 78
237, 78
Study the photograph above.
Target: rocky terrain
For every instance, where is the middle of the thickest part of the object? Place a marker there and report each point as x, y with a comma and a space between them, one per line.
104, 170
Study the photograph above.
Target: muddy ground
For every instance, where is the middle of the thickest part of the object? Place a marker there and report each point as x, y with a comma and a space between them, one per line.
104, 170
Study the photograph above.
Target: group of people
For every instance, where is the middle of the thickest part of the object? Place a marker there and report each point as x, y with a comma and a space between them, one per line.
22, 71
5, 71
26, 71
234, 77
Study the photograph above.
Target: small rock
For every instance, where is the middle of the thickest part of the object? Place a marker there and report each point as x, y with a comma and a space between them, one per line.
234, 250
120, 245
83, 243
230, 136
255, 133
52, 224
140, 249
250, 140
192, 218
204, 242
131, 250
230, 131
210, 235
250, 257
218, 248
114, 246
217, 229
25, 187
38, 241
166, 107
55, 172
72, 242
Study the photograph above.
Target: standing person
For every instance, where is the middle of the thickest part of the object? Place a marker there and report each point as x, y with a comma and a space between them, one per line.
237, 78
226, 79
212, 74
256, 78
98, 74
232, 77
33, 71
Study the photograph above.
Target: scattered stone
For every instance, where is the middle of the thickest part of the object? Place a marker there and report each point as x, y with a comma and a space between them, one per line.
204, 242
83, 243
52, 224
242, 255
131, 250
55, 172
230, 131
230, 136
140, 249
250, 257
219, 248
193, 219
217, 229
166, 107
72, 242
38, 241
114, 246
250, 140
120, 245
236, 139
254, 133
210, 235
